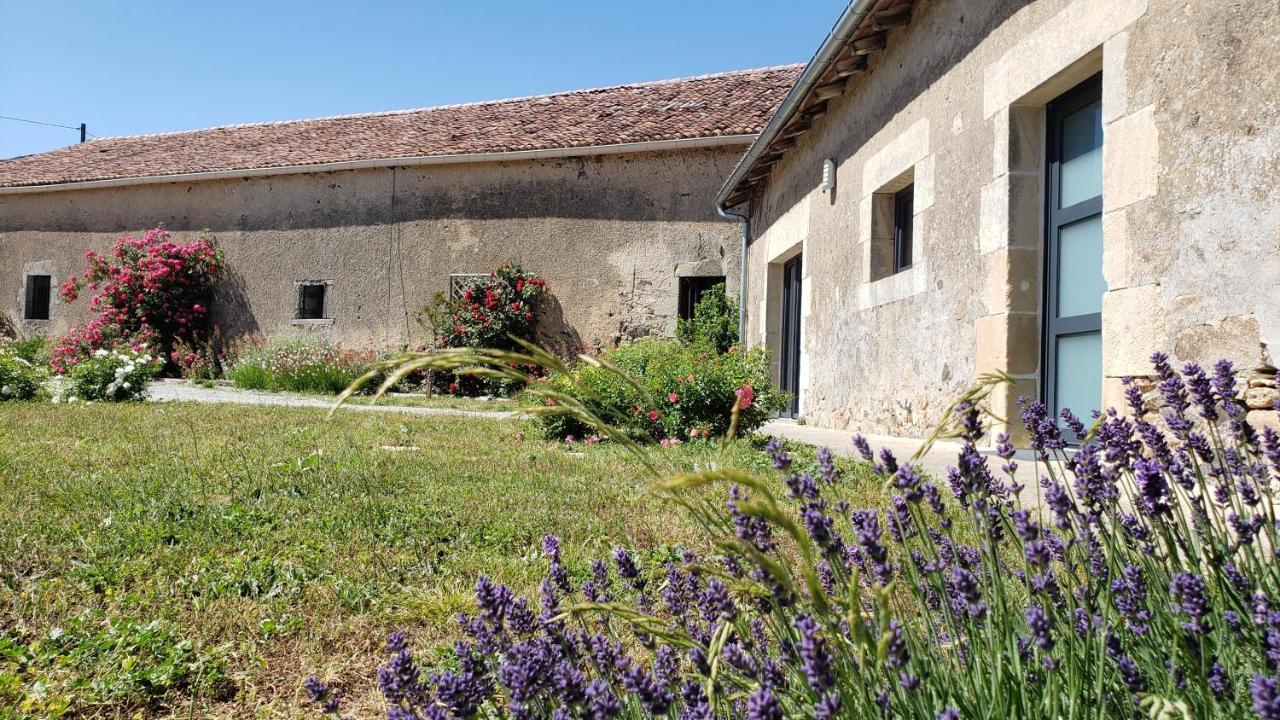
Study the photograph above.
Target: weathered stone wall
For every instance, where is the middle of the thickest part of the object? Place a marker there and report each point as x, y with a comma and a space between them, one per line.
611, 234
1191, 200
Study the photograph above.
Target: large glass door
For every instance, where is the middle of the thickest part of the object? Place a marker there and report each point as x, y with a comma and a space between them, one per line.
1074, 284
789, 357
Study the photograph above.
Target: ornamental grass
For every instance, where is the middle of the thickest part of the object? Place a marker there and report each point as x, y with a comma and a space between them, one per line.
1142, 583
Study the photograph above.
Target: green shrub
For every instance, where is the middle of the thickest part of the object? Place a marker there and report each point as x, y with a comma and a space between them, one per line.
714, 322
684, 391
20, 377
34, 350
117, 375
295, 364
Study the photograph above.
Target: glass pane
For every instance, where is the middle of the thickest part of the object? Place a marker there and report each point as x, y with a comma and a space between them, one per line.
1079, 370
1081, 155
1080, 281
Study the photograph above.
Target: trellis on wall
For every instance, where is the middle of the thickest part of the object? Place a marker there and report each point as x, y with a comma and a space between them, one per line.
458, 283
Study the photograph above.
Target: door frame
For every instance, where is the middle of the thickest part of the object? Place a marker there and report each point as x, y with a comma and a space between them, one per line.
789, 337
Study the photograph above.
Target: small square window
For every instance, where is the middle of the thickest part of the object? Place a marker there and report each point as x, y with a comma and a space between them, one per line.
691, 291
311, 301
903, 210
38, 294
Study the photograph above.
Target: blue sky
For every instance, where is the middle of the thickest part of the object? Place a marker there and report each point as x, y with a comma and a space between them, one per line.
137, 66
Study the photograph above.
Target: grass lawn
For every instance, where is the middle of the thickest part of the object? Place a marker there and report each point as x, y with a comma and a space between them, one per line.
178, 559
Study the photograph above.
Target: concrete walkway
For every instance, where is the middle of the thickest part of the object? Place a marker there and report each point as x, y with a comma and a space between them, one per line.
942, 455
186, 391
935, 462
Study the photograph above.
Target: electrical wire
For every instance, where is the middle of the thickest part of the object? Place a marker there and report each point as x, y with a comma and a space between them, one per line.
37, 122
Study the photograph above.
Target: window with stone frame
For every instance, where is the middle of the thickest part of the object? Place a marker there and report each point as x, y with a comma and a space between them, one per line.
892, 227
691, 291
312, 298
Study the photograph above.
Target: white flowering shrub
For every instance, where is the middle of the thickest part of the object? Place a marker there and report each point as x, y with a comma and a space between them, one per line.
114, 375
20, 379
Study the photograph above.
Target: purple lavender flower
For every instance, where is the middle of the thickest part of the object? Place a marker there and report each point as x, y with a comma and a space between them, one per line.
528, 670
801, 487
896, 653
557, 573
1043, 429
749, 528
1129, 592
716, 603
1218, 681
948, 714
863, 447
1131, 674
1265, 692
827, 465
1152, 487
1224, 384
781, 460
737, 657
874, 559
628, 569
967, 595
1190, 598
815, 655
597, 588
696, 706
827, 707
321, 695
1201, 390
1041, 628
639, 682
908, 480
601, 703
762, 705
1073, 423
398, 680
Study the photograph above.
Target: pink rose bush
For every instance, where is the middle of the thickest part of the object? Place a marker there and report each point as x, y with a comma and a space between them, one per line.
148, 292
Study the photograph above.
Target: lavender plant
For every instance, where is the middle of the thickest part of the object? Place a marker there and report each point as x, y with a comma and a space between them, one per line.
1141, 583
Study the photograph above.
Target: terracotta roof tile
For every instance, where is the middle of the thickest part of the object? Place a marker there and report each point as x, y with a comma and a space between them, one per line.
737, 103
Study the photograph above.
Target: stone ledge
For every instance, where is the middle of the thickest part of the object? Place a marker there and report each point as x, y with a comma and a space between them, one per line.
909, 282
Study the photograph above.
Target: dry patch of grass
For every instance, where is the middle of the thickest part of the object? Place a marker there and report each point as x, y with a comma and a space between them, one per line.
269, 543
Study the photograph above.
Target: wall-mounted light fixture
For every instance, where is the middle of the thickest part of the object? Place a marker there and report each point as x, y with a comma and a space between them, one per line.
828, 175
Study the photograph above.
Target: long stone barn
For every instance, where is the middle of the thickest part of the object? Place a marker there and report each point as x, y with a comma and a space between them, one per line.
606, 193
1051, 189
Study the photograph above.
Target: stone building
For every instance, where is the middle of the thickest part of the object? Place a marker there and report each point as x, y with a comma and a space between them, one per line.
347, 226
1051, 189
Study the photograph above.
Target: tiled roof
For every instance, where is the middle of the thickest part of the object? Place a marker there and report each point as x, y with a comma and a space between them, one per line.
728, 104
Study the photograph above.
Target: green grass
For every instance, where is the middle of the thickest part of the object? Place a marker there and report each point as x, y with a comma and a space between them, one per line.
184, 559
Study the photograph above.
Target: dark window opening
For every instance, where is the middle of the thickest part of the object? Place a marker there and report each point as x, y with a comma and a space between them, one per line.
692, 290
903, 210
38, 290
311, 302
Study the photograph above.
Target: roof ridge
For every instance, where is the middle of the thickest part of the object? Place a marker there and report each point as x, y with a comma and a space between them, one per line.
450, 106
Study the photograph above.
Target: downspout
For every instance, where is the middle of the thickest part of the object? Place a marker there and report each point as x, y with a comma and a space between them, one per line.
744, 229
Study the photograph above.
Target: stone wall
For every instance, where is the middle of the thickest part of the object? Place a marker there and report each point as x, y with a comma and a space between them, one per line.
611, 235
956, 104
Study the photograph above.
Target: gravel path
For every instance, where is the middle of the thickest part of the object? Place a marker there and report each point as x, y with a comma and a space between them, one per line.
185, 391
